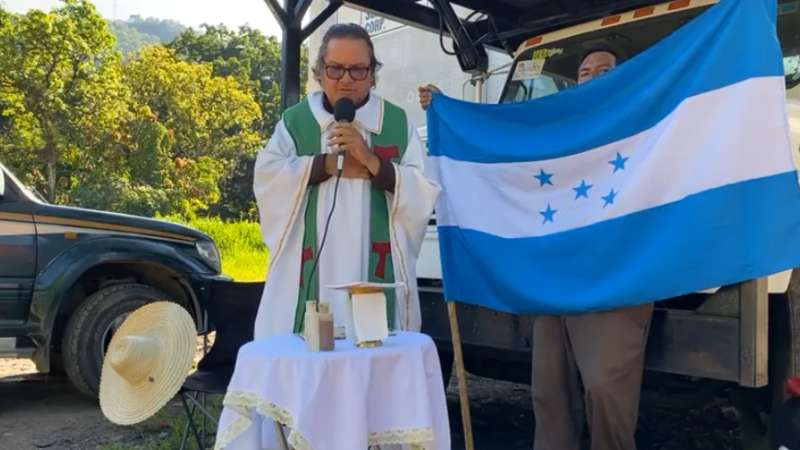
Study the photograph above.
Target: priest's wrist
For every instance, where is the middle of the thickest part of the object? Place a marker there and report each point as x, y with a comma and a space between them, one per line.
330, 163
373, 164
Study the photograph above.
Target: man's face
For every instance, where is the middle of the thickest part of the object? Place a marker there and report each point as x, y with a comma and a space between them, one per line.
346, 53
596, 64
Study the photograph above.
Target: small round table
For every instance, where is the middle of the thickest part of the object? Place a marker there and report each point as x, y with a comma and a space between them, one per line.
347, 399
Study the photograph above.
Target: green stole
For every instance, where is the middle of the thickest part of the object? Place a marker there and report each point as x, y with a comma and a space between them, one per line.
390, 144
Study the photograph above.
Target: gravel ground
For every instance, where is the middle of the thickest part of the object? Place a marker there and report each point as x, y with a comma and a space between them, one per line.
502, 418
46, 412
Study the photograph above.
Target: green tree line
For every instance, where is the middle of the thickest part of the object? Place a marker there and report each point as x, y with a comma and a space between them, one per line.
169, 129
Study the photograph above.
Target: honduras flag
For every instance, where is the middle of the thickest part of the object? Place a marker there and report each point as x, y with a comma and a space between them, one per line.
671, 174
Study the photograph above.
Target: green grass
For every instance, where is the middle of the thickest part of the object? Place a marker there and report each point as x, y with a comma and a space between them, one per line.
165, 430
244, 256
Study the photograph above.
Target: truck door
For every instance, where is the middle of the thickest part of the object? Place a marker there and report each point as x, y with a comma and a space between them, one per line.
17, 254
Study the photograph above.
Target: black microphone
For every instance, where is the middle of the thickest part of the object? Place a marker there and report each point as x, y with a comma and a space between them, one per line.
344, 110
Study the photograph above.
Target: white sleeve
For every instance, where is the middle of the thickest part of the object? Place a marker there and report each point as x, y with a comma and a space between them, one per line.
279, 184
415, 194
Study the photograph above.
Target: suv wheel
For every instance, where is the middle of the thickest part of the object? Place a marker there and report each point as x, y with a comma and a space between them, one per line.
91, 327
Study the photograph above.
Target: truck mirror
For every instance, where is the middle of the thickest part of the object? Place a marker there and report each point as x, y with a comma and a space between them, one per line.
2, 184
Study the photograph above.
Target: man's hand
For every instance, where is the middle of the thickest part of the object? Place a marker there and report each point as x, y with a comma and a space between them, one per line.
350, 169
346, 138
426, 94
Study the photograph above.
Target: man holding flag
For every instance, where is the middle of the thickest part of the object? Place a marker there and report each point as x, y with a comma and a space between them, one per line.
667, 176
587, 368
578, 377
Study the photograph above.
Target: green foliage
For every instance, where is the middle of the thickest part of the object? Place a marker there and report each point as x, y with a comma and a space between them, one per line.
211, 123
164, 29
207, 115
60, 90
186, 190
153, 134
162, 131
237, 200
129, 39
245, 54
254, 60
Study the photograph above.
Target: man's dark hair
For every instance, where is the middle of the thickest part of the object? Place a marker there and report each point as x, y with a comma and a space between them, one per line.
596, 48
350, 31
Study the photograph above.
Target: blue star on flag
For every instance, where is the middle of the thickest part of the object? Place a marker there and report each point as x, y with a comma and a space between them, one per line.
544, 178
582, 190
609, 199
619, 162
548, 214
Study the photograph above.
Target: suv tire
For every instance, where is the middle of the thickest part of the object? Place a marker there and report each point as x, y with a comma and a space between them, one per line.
91, 327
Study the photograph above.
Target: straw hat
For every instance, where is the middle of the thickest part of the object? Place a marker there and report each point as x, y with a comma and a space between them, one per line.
146, 363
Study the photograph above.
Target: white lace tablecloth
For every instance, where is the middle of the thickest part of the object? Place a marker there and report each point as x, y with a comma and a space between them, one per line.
347, 399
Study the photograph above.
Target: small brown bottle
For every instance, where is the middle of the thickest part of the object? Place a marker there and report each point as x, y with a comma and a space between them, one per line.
326, 340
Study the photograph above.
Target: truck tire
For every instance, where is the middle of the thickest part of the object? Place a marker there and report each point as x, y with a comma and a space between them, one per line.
91, 326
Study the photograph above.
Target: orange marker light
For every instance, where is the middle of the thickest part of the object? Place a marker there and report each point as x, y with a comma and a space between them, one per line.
678, 5
533, 41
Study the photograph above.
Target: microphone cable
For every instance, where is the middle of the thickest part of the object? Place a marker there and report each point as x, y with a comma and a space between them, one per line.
324, 234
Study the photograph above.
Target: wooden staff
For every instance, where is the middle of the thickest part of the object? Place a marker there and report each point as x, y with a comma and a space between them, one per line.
281, 436
458, 362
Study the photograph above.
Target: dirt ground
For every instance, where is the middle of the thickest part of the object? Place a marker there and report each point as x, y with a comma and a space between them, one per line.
40, 412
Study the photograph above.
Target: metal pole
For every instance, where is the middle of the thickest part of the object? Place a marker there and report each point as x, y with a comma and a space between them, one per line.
290, 56
480, 82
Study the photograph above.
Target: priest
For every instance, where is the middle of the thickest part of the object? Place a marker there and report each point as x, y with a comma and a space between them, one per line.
375, 209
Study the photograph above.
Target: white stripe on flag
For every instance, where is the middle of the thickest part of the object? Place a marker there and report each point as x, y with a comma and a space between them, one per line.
710, 140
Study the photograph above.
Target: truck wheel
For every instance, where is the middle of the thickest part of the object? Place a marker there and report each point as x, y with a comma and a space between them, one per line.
91, 327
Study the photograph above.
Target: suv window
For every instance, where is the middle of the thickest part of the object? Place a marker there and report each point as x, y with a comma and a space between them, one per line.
11, 194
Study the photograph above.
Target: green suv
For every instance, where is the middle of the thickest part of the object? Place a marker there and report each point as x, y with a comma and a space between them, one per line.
69, 276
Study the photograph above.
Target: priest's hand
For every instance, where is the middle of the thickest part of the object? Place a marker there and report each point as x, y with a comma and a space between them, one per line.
346, 138
350, 169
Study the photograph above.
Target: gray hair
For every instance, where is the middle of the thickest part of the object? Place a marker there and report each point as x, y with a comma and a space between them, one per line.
349, 31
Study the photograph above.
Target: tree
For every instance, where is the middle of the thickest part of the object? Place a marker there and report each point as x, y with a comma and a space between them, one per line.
164, 29
254, 60
129, 39
246, 55
211, 121
60, 91
153, 134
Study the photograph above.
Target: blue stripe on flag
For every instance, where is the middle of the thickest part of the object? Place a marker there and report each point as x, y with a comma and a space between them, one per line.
729, 43
714, 238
